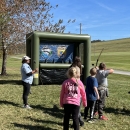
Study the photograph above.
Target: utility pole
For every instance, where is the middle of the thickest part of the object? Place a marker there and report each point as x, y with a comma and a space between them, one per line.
80, 28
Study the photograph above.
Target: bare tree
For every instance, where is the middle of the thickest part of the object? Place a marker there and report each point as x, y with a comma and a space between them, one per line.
19, 17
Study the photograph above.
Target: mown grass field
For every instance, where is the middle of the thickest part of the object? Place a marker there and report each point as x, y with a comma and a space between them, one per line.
116, 53
47, 114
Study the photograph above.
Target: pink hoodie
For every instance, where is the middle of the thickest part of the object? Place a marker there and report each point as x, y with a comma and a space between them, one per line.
71, 94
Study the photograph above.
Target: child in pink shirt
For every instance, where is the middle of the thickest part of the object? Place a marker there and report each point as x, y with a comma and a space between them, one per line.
71, 92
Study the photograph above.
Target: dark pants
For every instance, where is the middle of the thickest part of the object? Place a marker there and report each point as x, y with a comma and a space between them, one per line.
101, 102
91, 106
79, 114
71, 109
80, 118
26, 91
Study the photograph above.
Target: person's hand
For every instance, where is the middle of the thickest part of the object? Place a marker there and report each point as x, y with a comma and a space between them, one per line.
85, 105
97, 67
36, 70
98, 97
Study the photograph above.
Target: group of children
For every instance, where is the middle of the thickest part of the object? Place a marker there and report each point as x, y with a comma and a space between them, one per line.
93, 97
73, 91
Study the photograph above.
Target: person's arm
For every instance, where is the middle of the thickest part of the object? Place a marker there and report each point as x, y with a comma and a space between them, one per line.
97, 68
95, 89
111, 71
83, 95
62, 95
33, 71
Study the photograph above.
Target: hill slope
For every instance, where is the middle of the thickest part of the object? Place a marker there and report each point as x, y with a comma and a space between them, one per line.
116, 53
119, 45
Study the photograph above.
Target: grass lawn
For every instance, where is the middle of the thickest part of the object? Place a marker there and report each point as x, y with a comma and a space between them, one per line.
116, 53
47, 114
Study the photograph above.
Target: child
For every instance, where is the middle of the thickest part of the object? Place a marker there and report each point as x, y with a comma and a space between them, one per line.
71, 92
101, 76
77, 63
92, 94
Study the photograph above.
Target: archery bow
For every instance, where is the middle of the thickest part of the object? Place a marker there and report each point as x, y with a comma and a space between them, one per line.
99, 56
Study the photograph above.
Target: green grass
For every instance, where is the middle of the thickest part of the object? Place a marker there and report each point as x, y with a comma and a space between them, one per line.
119, 45
47, 114
116, 53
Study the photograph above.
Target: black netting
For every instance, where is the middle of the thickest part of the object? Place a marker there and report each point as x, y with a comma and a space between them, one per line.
52, 76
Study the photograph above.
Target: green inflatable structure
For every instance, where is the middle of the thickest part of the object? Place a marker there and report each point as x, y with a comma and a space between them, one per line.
55, 51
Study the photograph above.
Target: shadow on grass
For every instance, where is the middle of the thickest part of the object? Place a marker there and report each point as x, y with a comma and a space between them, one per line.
45, 121
9, 103
13, 82
55, 111
117, 111
30, 127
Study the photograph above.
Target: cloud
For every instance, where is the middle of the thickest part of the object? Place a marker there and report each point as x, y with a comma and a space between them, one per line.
98, 23
106, 7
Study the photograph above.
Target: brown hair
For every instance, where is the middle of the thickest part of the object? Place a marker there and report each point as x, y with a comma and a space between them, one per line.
93, 71
102, 66
24, 61
77, 62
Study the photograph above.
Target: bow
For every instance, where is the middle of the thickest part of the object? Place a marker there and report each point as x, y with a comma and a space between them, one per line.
99, 56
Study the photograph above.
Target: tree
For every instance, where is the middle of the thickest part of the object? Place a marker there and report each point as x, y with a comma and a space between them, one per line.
19, 17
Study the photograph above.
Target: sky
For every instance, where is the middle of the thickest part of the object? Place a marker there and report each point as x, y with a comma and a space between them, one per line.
101, 19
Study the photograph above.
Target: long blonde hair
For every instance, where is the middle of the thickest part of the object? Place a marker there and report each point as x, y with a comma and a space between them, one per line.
74, 72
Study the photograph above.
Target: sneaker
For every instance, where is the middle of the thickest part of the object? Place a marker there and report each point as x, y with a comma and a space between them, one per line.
90, 121
81, 123
27, 107
103, 118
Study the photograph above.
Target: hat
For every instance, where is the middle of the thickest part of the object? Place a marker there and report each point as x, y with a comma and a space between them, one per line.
26, 58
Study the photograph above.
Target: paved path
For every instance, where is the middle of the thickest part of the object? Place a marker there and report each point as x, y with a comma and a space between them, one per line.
16, 57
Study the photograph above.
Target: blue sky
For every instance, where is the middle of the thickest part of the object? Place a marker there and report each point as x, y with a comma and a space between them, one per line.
101, 19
